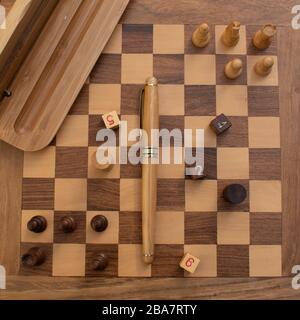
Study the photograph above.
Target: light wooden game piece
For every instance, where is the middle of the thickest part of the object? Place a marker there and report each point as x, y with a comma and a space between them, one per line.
262, 39
99, 223
233, 69
201, 36
111, 120
189, 263
231, 35
220, 124
35, 256
263, 67
37, 224
100, 166
67, 224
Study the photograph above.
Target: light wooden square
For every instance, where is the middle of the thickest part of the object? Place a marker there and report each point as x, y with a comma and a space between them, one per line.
70, 194
111, 173
208, 260
132, 122
198, 122
168, 39
111, 233
73, 132
232, 100
254, 79
200, 69
265, 261
130, 261
201, 195
114, 45
171, 100
166, 235
233, 228
240, 48
136, 68
43, 237
171, 170
265, 196
69, 260
39, 164
130, 194
264, 132
104, 98
233, 163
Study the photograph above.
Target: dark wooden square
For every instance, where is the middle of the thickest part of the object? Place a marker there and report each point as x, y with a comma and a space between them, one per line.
170, 123
71, 162
38, 194
233, 261
111, 251
190, 48
107, 69
44, 269
131, 171
237, 135
166, 262
95, 124
265, 164
200, 228
220, 124
137, 38
263, 101
251, 50
103, 194
221, 61
130, 227
200, 100
167, 187
131, 99
78, 235
265, 228
223, 205
169, 68
81, 104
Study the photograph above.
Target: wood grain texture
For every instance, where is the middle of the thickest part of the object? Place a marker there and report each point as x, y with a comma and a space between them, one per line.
141, 11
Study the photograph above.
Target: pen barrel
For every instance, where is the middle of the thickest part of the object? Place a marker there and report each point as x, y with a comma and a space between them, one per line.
150, 120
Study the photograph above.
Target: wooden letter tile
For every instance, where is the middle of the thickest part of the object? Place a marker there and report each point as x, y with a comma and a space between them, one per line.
189, 263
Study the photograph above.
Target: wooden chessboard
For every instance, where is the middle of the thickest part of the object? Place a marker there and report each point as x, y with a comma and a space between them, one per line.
231, 241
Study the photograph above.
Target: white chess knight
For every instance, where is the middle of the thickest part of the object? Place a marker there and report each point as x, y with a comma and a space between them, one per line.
2, 278
2, 17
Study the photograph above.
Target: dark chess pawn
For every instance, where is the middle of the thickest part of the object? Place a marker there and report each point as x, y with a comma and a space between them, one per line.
37, 224
34, 257
100, 262
67, 224
235, 193
195, 172
99, 223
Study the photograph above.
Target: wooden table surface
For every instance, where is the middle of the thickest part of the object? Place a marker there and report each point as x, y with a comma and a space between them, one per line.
179, 11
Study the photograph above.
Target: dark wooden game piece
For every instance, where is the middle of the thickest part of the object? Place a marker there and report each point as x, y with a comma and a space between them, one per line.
196, 172
7, 93
37, 224
99, 223
67, 224
235, 193
100, 262
34, 257
220, 124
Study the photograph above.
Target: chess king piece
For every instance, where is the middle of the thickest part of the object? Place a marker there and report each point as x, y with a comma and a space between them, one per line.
37, 224
99, 223
264, 66
201, 36
235, 193
100, 262
35, 256
262, 39
67, 224
231, 35
233, 69
100, 166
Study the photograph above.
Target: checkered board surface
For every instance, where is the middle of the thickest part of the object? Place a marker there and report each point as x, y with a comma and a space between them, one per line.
231, 241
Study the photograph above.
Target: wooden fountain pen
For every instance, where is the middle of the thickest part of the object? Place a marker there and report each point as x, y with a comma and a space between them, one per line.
149, 121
